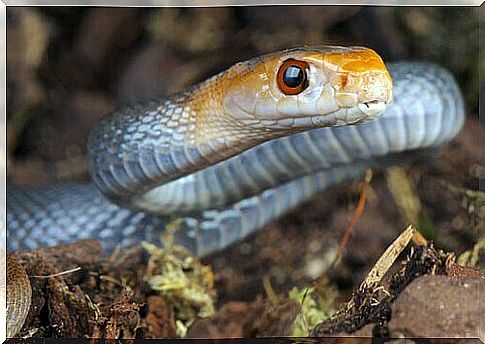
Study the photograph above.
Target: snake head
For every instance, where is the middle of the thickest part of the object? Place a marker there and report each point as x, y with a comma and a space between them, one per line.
308, 87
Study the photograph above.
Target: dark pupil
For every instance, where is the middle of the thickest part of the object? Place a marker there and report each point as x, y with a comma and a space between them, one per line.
293, 76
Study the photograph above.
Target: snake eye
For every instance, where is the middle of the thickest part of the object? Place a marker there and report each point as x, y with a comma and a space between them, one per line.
292, 77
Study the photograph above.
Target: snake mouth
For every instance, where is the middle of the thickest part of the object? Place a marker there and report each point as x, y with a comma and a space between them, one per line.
344, 116
371, 103
373, 108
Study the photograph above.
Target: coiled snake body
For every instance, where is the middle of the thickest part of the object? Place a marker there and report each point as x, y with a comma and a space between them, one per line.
240, 149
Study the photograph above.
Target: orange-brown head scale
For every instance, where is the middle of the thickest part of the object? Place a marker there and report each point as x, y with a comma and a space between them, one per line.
292, 90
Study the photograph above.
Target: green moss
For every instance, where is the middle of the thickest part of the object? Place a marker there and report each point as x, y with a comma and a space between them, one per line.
183, 281
317, 304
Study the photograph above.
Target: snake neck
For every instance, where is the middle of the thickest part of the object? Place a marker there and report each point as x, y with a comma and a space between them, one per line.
140, 146
214, 127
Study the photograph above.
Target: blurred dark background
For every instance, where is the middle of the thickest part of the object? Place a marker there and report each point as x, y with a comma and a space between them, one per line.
68, 66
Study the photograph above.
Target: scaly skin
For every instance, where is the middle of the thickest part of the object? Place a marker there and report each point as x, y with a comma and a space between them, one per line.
244, 105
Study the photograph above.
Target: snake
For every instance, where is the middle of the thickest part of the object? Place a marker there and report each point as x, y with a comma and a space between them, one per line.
236, 151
